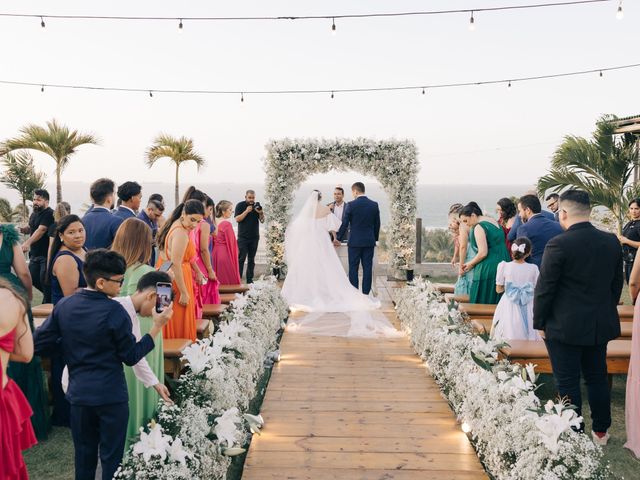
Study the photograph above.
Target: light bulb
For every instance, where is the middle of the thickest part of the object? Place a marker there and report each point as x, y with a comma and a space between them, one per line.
509, 84
180, 25
42, 88
333, 26
331, 94
466, 428
242, 97
423, 91
601, 73
42, 24
150, 93
472, 23
620, 13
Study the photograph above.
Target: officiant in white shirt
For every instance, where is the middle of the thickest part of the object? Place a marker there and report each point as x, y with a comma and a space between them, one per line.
337, 206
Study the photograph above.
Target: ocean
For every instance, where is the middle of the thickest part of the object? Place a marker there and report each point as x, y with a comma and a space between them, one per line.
433, 200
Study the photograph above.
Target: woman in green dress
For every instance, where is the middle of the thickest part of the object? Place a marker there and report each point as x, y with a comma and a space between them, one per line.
28, 376
488, 239
133, 242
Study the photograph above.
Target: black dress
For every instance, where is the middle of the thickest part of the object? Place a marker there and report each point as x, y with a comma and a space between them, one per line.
631, 231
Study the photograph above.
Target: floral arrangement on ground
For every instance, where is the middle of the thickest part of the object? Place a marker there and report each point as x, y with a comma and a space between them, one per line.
393, 162
209, 423
514, 435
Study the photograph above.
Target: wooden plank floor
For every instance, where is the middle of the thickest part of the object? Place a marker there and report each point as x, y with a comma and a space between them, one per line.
346, 408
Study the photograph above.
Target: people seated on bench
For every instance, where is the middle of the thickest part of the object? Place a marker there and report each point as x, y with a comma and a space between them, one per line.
632, 403
513, 319
575, 303
95, 336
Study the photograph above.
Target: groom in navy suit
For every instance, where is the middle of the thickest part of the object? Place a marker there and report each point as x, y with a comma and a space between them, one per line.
362, 218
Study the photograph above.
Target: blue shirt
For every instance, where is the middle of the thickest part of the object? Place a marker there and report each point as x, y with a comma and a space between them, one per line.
124, 213
518, 222
101, 226
539, 229
94, 335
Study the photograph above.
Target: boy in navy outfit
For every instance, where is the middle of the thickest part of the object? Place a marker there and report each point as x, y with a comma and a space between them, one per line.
95, 337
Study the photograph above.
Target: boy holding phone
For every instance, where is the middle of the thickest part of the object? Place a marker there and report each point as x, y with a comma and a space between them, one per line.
95, 336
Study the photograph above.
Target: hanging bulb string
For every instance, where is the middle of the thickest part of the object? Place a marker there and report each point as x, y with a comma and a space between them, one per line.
325, 90
310, 17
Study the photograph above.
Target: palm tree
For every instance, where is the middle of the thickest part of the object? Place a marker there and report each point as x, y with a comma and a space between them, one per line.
178, 150
437, 245
9, 214
56, 140
20, 175
602, 167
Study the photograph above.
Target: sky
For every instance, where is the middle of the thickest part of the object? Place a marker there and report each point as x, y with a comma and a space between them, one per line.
474, 135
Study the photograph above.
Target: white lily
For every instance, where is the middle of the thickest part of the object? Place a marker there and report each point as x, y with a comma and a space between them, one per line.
177, 453
226, 427
152, 444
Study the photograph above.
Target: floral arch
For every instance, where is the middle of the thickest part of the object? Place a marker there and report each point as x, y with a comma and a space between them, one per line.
394, 163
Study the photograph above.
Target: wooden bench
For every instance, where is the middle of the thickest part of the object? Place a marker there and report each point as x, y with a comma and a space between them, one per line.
239, 288
444, 287
531, 351
227, 298
481, 325
41, 313
212, 311
172, 352
203, 328
481, 310
448, 297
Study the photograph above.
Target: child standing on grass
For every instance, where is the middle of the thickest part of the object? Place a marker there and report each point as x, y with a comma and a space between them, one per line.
513, 319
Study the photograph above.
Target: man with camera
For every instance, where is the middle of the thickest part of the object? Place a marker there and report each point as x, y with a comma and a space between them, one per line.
249, 215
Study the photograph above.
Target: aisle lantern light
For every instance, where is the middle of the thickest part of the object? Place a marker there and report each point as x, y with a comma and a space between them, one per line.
472, 22
466, 428
620, 13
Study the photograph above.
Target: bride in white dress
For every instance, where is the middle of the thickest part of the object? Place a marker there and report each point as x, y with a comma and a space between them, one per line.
317, 283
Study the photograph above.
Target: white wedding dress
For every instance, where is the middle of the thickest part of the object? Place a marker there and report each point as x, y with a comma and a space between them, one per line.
316, 282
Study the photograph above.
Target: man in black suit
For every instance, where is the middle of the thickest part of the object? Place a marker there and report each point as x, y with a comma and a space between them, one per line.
575, 304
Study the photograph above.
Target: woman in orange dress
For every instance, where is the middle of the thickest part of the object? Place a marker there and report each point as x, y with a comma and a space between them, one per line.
178, 248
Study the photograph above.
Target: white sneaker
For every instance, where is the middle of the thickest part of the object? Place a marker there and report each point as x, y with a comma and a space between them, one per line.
602, 441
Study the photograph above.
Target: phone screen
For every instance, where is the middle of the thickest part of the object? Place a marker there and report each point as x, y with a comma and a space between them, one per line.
164, 296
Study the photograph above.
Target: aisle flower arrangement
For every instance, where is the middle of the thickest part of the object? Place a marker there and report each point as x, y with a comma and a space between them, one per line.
209, 423
394, 163
514, 435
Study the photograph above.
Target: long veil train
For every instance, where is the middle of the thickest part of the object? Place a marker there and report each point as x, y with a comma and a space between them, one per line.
316, 282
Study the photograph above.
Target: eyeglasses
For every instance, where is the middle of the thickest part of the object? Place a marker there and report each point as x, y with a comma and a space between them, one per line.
119, 282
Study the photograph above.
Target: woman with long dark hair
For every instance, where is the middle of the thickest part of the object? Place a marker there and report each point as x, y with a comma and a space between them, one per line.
65, 277
16, 342
175, 246
205, 282
487, 238
507, 212
630, 238
29, 376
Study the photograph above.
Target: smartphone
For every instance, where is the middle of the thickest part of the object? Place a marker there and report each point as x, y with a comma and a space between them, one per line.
164, 296
165, 266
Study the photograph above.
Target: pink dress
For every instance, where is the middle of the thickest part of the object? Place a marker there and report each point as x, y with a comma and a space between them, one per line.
207, 293
225, 255
632, 408
16, 432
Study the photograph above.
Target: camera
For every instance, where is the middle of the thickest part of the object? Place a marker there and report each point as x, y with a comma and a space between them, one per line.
257, 205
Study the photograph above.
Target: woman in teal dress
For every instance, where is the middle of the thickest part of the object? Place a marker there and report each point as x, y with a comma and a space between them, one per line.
28, 376
467, 252
487, 238
133, 242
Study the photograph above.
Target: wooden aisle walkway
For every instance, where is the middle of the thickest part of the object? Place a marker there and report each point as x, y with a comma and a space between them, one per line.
344, 408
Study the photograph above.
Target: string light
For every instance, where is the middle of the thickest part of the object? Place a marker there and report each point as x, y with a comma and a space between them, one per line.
42, 88
331, 94
325, 90
150, 93
620, 13
180, 25
333, 26
472, 23
600, 73
42, 24
423, 91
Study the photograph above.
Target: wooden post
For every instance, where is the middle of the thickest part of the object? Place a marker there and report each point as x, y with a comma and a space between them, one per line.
418, 240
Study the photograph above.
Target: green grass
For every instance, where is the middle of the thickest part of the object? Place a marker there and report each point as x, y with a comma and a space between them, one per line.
53, 458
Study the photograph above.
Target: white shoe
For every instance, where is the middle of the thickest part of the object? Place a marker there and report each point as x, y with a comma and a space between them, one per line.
602, 441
